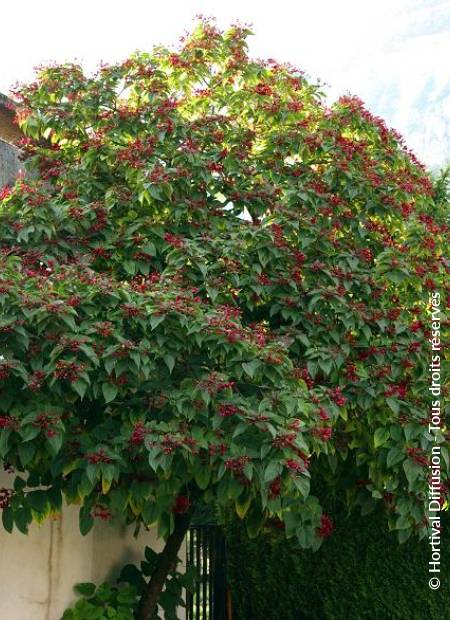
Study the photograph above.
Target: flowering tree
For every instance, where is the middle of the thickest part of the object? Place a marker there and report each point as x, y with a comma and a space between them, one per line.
214, 287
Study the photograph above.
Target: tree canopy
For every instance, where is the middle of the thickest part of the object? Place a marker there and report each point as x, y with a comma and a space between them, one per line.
214, 286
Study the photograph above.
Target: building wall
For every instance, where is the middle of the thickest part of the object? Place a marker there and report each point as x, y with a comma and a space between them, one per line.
9, 130
9, 133
9, 163
38, 571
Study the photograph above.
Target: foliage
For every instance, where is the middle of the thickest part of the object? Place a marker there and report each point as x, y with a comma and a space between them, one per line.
211, 286
121, 600
359, 572
442, 186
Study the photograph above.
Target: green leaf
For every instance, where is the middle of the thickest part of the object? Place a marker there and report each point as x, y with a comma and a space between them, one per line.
202, 477
243, 506
85, 589
80, 388
26, 453
170, 362
4, 437
149, 248
55, 442
394, 456
156, 319
302, 484
272, 471
8, 519
38, 500
22, 518
151, 512
381, 436
393, 404
326, 366
129, 266
251, 367
110, 391
412, 470
86, 522
29, 432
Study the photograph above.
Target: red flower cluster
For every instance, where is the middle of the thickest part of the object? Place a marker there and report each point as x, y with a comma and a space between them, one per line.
69, 371
302, 373
263, 89
275, 488
101, 512
326, 526
138, 434
98, 457
227, 410
323, 433
295, 466
46, 423
397, 389
213, 384
417, 455
5, 497
173, 240
337, 397
7, 421
217, 449
237, 463
5, 192
181, 505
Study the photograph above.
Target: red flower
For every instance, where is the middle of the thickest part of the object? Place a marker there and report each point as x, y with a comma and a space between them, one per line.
326, 526
68, 370
174, 241
337, 397
323, 433
98, 457
4, 192
138, 434
101, 512
7, 421
275, 488
227, 410
237, 463
263, 89
5, 497
181, 505
417, 455
295, 466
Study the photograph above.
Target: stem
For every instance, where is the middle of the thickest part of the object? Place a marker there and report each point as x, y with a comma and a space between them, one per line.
166, 563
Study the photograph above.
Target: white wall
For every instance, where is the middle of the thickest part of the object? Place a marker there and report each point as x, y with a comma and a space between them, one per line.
38, 571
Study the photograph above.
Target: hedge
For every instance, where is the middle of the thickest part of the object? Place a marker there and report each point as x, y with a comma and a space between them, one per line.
359, 573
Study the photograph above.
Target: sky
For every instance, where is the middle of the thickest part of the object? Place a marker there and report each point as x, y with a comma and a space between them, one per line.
394, 54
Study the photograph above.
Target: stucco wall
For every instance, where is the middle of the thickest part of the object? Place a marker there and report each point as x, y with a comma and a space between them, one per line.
9, 163
9, 130
38, 571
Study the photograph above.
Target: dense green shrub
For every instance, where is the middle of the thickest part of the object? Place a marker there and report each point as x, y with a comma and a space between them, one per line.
120, 599
360, 572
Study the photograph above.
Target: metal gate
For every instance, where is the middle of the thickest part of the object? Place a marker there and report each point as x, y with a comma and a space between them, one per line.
206, 552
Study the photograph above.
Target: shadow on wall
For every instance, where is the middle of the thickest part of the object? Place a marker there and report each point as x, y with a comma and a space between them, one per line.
10, 165
9, 131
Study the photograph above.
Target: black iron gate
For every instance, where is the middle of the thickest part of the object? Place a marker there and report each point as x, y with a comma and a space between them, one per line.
206, 551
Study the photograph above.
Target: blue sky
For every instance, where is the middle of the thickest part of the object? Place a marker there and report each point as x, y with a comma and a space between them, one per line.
393, 54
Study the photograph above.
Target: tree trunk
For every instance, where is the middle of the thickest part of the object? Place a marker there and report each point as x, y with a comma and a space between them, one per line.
166, 563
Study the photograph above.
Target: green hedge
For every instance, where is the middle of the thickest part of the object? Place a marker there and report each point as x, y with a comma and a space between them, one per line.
359, 573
